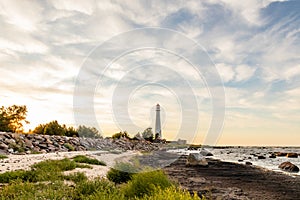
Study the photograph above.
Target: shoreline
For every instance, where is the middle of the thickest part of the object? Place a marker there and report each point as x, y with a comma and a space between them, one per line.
227, 180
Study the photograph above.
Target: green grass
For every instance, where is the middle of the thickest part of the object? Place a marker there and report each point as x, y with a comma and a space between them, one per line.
49, 170
3, 156
146, 183
46, 181
87, 160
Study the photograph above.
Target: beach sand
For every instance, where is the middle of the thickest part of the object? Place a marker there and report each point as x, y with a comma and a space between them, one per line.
17, 162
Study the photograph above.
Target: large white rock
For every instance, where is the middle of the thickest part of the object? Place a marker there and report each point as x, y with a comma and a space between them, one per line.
195, 159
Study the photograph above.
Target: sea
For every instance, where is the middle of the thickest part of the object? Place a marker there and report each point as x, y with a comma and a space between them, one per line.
242, 154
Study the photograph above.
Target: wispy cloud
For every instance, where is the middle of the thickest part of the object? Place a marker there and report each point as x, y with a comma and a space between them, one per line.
254, 44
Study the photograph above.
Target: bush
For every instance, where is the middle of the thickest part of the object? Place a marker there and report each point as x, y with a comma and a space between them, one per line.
76, 177
84, 159
121, 135
170, 194
7, 177
55, 165
146, 183
121, 173
89, 188
3, 156
69, 146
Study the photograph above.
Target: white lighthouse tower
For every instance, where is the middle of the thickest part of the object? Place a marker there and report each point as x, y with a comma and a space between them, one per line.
158, 123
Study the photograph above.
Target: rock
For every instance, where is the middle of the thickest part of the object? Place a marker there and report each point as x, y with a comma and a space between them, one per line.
194, 147
273, 155
43, 151
261, 157
292, 155
43, 146
3, 146
288, 166
10, 141
279, 154
205, 152
10, 150
196, 159
248, 163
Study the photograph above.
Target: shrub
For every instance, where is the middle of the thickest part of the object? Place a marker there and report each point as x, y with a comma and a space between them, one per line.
121, 173
170, 194
55, 165
76, 177
89, 188
69, 146
146, 183
84, 159
7, 177
121, 135
3, 156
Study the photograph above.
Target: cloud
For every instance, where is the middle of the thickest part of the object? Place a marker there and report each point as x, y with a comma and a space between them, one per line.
255, 45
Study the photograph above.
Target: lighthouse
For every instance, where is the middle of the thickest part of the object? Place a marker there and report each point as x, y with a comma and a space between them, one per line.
158, 123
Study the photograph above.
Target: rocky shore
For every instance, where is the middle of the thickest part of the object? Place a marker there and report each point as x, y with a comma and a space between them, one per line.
226, 180
13, 143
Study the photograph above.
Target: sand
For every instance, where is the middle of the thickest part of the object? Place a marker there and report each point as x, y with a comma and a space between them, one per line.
17, 162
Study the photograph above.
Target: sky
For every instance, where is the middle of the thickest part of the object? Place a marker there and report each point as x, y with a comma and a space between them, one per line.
225, 72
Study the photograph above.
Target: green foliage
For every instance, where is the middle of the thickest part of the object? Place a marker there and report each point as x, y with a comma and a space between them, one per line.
3, 156
146, 183
16, 147
19, 190
87, 189
7, 177
98, 189
148, 134
12, 118
71, 132
88, 132
55, 165
49, 170
52, 128
121, 173
76, 177
84, 159
119, 135
170, 193
69, 146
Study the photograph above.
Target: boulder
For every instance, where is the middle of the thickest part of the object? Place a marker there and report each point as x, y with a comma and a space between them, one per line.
196, 159
273, 155
248, 163
3, 146
205, 152
280, 154
261, 157
292, 155
288, 166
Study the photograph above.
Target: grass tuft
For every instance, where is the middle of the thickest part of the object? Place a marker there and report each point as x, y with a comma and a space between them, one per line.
3, 156
87, 160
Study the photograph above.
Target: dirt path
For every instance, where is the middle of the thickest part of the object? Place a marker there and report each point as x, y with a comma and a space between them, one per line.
225, 180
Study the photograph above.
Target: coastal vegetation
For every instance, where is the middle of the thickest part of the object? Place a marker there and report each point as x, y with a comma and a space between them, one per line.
46, 180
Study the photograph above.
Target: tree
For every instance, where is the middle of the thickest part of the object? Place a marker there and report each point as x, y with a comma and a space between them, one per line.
148, 134
119, 135
52, 128
12, 118
71, 132
89, 132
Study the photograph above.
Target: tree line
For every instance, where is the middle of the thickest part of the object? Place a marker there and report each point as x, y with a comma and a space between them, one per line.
13, 117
